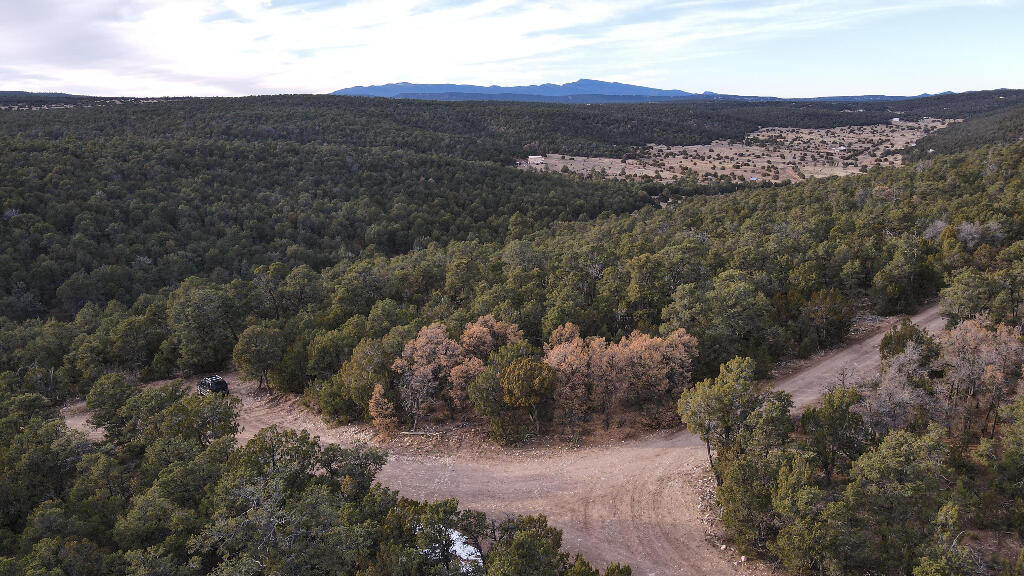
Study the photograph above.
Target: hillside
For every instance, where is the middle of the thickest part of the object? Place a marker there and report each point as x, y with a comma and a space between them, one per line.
232, 184
385, 261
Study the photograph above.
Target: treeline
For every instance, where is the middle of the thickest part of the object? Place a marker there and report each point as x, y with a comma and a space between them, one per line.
762, 273
1002, 126
492, 373
169, 491
19, 98
495, 131
894, 475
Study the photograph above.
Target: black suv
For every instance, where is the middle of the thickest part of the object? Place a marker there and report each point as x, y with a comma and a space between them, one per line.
212, 384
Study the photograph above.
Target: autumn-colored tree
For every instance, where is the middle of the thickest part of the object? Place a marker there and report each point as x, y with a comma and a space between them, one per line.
461, 376
486, 335
649, 371
382, 411
566, 353
982, 366
424, 369
901, 396
603, 378
640, 372
563, 334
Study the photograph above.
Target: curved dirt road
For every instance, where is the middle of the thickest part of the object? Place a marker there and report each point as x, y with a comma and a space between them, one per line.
631, 501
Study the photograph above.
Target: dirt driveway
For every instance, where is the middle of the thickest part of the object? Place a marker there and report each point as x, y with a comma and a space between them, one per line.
633, 501
859, 358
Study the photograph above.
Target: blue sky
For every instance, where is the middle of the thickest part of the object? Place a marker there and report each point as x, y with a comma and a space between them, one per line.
774, 47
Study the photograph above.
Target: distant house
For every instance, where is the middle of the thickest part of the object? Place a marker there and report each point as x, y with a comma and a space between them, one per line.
895, 120
536, 160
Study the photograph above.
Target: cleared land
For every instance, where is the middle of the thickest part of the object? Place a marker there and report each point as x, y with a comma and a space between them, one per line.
770, 154
633, 501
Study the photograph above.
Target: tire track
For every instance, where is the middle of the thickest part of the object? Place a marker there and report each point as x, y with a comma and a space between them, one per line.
628, 502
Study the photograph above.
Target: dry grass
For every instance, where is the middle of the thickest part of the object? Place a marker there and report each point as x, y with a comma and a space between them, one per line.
770, 154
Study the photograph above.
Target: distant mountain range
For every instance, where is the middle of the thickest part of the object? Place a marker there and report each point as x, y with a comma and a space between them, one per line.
23, 94
581, 91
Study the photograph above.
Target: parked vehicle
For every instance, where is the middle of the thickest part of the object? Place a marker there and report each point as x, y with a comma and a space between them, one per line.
212, 384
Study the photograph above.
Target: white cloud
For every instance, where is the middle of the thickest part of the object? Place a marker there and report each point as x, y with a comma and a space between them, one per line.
230, 47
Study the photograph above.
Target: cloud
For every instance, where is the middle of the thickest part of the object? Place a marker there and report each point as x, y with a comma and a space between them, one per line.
229, 47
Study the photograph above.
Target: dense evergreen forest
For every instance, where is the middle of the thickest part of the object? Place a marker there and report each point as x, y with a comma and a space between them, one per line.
168, 492
114, 201
383, 258
999, 127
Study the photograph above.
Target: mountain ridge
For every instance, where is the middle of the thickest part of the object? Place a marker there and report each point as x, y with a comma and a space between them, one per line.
581, 91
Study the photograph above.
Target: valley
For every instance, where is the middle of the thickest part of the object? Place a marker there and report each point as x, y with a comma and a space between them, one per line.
768, 155
578, 361
467, 288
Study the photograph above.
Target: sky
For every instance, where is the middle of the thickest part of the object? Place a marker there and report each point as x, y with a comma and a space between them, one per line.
788, 48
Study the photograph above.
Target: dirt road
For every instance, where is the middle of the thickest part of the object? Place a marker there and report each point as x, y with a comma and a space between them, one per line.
860, 358
631, 501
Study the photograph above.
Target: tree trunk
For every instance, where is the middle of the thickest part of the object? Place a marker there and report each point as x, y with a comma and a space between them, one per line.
711, 463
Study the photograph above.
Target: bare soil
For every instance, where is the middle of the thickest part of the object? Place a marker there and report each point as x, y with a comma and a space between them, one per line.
768, 155
76, 416
644, 501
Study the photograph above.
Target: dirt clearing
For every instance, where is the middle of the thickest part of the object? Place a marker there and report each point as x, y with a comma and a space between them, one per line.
768, 155
636, 501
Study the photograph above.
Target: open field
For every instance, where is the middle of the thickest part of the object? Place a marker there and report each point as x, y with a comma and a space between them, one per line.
635, 501
769, 154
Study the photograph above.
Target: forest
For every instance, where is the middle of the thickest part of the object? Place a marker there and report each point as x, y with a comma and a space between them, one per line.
169, 492
885, 476
383, 259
